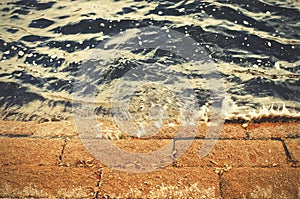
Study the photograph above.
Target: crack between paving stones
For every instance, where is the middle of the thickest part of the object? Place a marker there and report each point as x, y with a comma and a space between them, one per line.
36, 136
61, 162
237, 139
236, 167
221, 185
99, 174
177, 139
289, 156
16, 136
286, 150
174, 154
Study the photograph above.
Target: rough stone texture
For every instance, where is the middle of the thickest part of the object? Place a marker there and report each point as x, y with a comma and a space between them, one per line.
49, 160
55, 129
17, 128
166, 183
46, 182
109, 129
274, 130
261, 183
76, 154
132, 154
237, 153
14, 151
172, 130
228, 131
293, 146
142, 146
106, 128
233, 131
169, 131
46, 129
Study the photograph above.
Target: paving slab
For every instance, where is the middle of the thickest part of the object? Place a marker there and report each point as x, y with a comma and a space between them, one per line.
132, 154
35, 151
55, 129
110, 129
49, 160
236, 153
46, 182
13, 128
233, 131
225, 131
274, 130
105, 127
273, 183
142, 146
75, 154
166, 183
46, 129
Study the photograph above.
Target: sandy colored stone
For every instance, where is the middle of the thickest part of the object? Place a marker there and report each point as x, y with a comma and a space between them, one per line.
274, 130
169, 131
31, 166
14, 128
293, 146
275, 183
227, 131
110, 129
35, 151
165, 183
237, 153
77, 155
142, 146
46, 182
147, 130
132, 154
100, 127
233, 131
46, 129
55, 129
172, 130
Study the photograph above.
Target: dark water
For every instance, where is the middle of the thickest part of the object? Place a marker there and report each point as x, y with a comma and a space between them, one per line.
44, 44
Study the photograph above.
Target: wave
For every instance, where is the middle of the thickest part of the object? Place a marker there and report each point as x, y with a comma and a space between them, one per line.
45, 45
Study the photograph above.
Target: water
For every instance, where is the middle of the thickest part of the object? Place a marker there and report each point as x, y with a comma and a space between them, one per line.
44, 44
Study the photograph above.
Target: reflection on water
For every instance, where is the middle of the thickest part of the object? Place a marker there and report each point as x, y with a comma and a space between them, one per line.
43, 45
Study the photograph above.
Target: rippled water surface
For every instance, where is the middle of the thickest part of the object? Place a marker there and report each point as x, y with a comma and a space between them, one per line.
44, 45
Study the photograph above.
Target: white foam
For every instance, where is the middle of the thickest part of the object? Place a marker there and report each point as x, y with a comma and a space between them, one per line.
264, 113
231, 112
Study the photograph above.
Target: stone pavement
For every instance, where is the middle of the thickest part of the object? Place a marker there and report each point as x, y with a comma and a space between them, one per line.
48, 160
